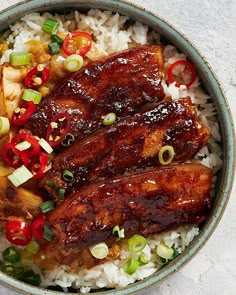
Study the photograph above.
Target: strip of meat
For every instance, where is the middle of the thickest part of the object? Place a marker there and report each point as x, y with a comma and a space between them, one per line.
131, 143
142, 202
120, 83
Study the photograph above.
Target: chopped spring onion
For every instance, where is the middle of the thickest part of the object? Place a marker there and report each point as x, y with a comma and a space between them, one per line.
47, 233
68, 140
50, 26
46, 206
10, 254
19, 176
31, 278
4, 125
33, 247
99, 251
51, 183
57, 39
136, 243
67, 175
22, 146
164, 251
26, 257
61, 194
143, 259
32, 95
73, 62
45, 145
54, 48
109, 119
131, 266
167, 149
120, 232
12, 270
19, 58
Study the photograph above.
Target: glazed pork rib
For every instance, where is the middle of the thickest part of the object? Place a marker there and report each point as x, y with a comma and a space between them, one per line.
143, 202
130, 144
120, 83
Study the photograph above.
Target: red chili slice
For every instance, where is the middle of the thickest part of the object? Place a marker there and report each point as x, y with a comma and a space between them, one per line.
18, 232
189, 68
58, 128
38, 228
13, 157
23, 113
38, 165
35, 147
37, 76
77, 42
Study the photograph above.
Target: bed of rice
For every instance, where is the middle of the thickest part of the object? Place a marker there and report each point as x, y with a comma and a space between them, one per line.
113, 33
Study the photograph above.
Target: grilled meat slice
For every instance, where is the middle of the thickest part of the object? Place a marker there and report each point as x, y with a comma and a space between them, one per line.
129, 144
120, 83
143, 202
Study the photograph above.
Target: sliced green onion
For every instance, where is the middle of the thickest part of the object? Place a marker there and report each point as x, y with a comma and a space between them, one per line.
164, 251
50, 26
57, 39
143, 259
109, 119
54, 48
137, 243
10, 254
4, 125
19, 58
22, 146
51, 183
32, 95
20, 176
47, 233
33, 247
73, 62
46, 206
68, 140
12, 270
120, 232
99, 251
45, 145
131, 266
171, 153
67, 175
61, 194
26, 257
31, 278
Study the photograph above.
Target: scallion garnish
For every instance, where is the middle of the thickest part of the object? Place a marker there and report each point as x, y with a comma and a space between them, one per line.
131, 266
68, 140
31, 278
10, 254
46, 206
32, 95
33, 247
54, 48
109, 119
67, 175
57, 39
51, 183
120, 232
136, 243
45, 145
4, 125
99, 251
73, 62
19, 176
50, 26
19, 58
61, 194
47, 233
143, 259
164, 251
12, 270
166, 154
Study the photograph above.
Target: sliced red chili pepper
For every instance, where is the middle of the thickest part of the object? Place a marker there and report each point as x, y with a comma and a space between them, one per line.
18, 232
35, 147
37, 76
38, 228
23, 113
58, 128
77, 42
13, 157
189, 68
38, 165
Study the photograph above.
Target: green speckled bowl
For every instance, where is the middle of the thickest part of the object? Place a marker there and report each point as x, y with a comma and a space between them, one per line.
226, 176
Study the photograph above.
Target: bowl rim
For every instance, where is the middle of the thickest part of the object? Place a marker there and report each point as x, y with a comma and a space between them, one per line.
194, 53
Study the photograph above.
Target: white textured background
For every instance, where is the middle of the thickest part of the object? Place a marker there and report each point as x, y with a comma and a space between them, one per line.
211, 26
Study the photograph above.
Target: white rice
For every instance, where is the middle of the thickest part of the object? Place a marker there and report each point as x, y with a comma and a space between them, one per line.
112, 33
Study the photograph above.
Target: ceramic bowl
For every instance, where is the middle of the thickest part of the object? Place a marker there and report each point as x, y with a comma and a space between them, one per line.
225, 177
